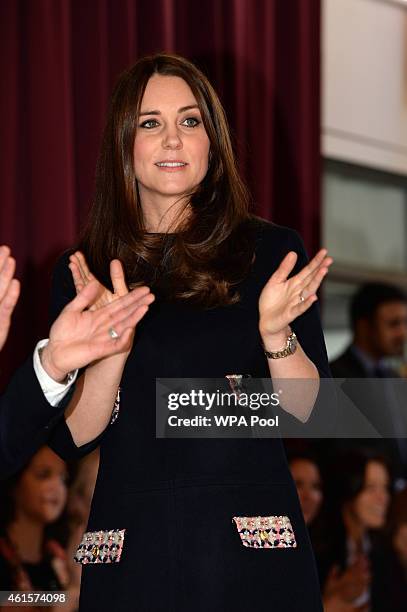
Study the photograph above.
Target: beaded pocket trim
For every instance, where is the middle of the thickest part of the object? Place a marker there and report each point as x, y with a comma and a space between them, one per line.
116, 407
236, 382
100, 547
265, 531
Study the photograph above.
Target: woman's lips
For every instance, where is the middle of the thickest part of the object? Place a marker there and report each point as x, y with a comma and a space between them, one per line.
52, 501
171, 166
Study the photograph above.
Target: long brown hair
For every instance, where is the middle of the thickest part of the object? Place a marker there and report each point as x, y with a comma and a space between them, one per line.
211, 251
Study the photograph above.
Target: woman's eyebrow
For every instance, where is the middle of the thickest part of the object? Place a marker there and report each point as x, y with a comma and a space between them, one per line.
180, 110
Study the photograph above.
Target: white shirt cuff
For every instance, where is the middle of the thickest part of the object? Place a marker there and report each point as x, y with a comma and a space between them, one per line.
53, 390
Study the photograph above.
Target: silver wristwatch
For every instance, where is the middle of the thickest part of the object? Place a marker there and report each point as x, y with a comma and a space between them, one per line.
289, 349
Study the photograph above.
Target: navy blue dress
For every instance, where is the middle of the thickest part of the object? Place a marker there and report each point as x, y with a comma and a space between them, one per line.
176, 498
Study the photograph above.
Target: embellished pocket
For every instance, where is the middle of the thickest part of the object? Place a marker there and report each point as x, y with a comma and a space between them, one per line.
116, 407
236, 383
100, 547
265, 531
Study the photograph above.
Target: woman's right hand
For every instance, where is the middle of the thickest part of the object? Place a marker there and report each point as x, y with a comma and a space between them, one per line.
82, 276
80, 336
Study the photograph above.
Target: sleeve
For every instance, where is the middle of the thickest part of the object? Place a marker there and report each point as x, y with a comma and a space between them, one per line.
26, 418
53, 390
62, 292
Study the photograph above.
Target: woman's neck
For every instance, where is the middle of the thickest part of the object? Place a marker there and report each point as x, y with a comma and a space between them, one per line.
162, 213
27, 537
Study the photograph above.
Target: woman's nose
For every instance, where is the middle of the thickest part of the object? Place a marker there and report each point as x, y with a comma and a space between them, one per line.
171, 139
382, 496
56, 484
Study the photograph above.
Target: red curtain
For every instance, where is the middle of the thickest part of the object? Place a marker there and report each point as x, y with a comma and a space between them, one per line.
59, 60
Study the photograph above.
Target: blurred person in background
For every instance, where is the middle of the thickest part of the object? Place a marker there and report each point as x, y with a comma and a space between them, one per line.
349, 545
34, 399
307, 477
308, 480
393, 581
378, 316
34, 499
81, 490
78, 507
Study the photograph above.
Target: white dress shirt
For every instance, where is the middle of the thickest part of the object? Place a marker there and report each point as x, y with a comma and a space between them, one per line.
53, 391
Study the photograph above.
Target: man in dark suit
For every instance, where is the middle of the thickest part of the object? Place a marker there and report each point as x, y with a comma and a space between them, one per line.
378, 314
35, 398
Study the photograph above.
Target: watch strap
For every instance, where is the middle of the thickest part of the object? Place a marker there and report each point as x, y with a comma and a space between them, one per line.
289, 349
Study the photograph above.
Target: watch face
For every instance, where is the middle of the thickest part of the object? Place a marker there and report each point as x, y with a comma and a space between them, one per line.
293, 344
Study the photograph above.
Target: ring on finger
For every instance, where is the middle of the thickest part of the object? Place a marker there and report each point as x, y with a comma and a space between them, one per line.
113, 333
301, 297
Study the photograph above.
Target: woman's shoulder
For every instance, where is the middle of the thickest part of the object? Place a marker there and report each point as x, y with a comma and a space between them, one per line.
276, 237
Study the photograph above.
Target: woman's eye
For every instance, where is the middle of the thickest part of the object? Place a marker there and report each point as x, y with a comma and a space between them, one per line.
191, 122
43, 474
149, 123
188, 122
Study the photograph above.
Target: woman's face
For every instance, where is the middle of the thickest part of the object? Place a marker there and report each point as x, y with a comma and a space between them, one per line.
370, 506
171, 146
81, 490
41, 491
308, 482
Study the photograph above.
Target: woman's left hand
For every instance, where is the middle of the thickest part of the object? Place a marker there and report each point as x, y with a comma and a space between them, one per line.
284, 299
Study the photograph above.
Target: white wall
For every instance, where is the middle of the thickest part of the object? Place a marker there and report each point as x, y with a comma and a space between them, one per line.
364, 82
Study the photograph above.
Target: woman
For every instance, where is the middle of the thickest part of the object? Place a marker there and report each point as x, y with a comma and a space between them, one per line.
170, 205
349, 549
29, 558
307, 477
392, 591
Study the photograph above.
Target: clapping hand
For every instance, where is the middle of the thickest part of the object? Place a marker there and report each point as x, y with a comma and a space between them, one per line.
348, 585
82, 276
80, 335
9, 292
283, 299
